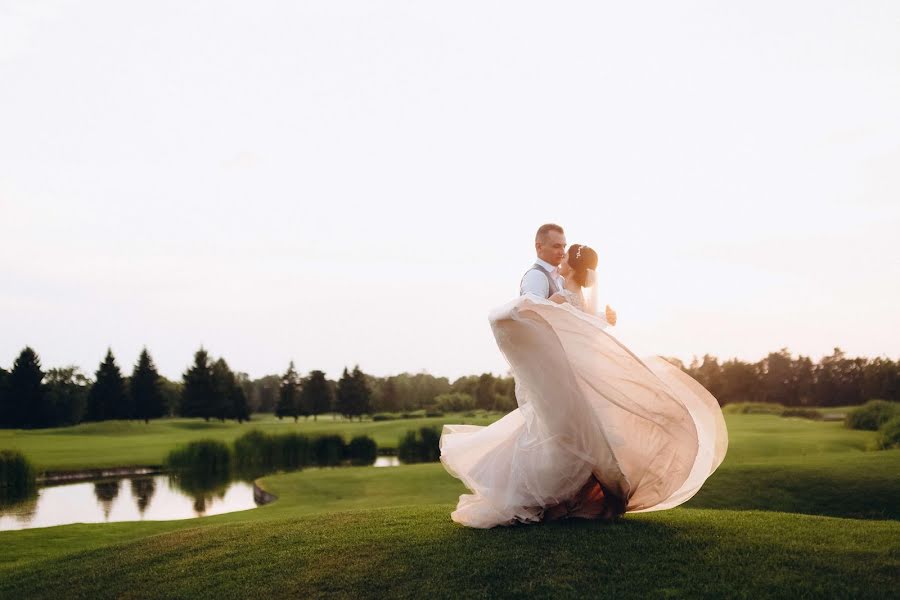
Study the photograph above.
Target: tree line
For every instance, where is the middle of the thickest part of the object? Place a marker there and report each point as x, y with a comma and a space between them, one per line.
835, 380
31, 397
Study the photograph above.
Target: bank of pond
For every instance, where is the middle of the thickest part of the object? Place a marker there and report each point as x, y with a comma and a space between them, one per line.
201, 478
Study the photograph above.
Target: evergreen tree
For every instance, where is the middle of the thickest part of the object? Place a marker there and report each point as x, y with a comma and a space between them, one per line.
362, 399
344, 394
146, 389
288, 394
26, 401
197, 394
223, 384
240, 407
317, 394
108, 398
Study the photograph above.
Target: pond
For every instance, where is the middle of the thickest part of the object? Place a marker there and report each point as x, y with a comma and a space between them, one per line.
139, 498
387, 461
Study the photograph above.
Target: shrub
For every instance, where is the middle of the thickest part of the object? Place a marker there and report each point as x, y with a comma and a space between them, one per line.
421, 446
254, 450
803, 413
889, 434
362, 450
872, 415
383, 417
200, 456
328, 450
433, 413
17, 475
292, 451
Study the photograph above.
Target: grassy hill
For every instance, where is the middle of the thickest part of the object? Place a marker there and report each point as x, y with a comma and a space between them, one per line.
364, 532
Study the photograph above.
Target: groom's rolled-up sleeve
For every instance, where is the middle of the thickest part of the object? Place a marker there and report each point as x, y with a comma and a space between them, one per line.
535, 282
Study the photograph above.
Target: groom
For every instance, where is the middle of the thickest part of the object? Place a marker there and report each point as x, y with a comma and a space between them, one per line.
543, 278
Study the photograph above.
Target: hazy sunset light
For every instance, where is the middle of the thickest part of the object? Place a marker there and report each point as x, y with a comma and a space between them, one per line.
355, 182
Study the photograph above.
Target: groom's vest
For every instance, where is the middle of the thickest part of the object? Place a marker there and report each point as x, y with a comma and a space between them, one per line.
553, 287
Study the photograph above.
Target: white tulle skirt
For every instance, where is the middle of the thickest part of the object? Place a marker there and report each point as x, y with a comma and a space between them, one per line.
596, 426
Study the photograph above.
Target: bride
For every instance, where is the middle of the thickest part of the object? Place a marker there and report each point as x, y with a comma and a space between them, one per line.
598, 431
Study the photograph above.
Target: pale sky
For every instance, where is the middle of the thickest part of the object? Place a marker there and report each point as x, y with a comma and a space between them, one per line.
359, 181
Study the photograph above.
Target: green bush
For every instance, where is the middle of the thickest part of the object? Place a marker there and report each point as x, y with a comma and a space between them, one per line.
383, 417
292, 451
872, 415
362, 450
889, 434
200, 456
254, 450
753, 408
421, 446
803, 413
433, 413
17, 475
328, 450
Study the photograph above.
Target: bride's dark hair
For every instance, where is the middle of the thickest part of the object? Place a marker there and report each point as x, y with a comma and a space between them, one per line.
582, 258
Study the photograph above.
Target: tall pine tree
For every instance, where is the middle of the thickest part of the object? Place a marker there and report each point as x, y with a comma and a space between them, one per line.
223, 384
353, 394
317, 394
362, 400
146, 389
344, 395
26, 400
108, 398
197, 395
288, 394
239, 406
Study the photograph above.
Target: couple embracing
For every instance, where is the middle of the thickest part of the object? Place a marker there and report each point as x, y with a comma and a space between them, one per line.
598, 432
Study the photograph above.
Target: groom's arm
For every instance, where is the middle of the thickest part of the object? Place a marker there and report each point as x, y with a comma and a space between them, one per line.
534, 282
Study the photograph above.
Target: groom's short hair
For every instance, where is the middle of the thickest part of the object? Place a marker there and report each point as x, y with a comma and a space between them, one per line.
547, 228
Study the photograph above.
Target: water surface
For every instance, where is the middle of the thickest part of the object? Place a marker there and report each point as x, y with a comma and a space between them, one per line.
143, 498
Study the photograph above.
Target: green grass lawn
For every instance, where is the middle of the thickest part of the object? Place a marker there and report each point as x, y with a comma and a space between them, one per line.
131, 443
798, 509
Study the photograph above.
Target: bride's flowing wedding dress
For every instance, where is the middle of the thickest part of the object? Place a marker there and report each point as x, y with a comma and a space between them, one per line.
597, 431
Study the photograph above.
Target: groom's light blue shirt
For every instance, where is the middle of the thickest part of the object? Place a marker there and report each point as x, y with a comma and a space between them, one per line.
535, 282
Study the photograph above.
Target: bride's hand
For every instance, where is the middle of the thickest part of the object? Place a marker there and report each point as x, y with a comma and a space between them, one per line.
610, 315
558, 298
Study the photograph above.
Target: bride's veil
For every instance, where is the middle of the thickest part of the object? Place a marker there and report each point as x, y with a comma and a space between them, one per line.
591, 294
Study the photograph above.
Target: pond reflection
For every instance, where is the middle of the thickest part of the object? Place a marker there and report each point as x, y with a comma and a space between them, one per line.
146, 498
142, 489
